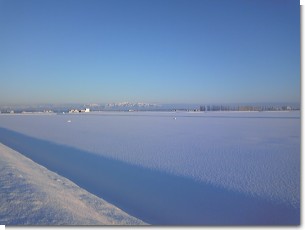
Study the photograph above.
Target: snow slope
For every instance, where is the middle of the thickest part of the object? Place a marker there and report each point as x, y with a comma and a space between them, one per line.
32, 195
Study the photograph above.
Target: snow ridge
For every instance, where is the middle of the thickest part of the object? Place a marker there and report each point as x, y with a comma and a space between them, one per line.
30, 194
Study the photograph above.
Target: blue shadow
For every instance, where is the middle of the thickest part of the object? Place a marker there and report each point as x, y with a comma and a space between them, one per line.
152, 196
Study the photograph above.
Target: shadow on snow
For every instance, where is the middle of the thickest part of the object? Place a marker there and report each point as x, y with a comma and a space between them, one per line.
152, 196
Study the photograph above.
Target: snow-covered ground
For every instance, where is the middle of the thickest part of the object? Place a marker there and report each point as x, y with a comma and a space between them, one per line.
253, 153
32, 195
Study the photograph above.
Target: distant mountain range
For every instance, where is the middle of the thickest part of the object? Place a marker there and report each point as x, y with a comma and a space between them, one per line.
143, 106
130, 104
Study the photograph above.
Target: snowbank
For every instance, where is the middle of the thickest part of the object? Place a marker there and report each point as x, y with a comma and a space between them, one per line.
32, 195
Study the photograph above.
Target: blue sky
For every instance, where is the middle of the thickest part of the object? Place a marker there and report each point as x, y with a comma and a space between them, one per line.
161, 51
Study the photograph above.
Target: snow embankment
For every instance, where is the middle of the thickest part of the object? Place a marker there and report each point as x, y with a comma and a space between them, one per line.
32, 195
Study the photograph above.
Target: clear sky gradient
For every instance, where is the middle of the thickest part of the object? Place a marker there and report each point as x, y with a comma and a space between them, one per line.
160, 51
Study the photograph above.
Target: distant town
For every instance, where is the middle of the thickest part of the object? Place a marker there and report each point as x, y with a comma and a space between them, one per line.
140, 106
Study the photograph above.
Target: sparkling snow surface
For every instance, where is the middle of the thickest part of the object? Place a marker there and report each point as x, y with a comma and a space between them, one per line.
257, 153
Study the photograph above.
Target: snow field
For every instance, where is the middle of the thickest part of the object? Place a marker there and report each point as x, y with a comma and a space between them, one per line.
253, 153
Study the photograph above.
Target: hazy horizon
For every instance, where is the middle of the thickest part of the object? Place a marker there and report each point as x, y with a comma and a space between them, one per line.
166, 52
151, 103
